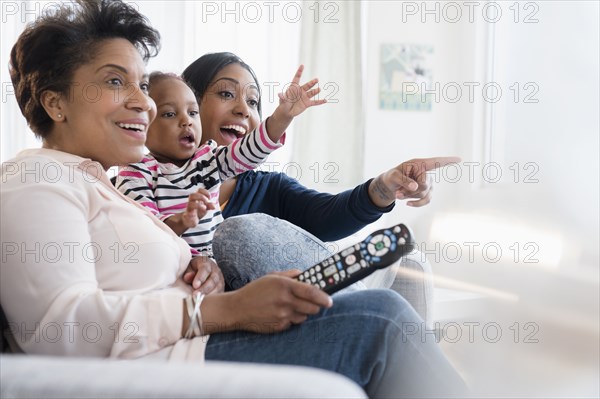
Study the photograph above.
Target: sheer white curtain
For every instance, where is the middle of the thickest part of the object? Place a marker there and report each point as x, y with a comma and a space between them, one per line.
329, 139
15, 134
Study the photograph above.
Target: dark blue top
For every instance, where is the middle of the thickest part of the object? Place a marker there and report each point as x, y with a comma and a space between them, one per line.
328, 217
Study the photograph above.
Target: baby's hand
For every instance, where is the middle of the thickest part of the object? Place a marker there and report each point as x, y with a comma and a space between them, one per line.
198, 205
296, 98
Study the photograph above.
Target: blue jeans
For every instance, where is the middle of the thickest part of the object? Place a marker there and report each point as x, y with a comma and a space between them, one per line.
374, 337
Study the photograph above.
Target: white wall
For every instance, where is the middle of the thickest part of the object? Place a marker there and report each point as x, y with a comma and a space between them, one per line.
392, 137
555, 140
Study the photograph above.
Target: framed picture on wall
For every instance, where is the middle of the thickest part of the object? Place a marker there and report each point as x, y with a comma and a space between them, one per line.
405, 77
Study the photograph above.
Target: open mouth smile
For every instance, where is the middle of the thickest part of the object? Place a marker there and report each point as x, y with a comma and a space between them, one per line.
232, 132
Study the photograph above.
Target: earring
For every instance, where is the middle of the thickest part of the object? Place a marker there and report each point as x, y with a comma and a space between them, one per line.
59, 116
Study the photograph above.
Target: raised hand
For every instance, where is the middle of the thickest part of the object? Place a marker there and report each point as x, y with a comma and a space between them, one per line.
296, 98
407, 180
292, 103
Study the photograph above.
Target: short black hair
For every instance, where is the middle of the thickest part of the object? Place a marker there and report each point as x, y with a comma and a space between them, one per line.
200, 73
50, 49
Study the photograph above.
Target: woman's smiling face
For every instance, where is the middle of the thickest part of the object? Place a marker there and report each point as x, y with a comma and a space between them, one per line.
108, 110
229, 108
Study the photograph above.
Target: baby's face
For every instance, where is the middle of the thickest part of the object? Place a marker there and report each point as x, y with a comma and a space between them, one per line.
176, 132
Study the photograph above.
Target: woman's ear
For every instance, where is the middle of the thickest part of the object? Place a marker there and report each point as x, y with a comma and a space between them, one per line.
53, 105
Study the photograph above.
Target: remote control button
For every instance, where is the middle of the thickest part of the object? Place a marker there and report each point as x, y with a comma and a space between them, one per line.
313, 279
393, 247
343, 273
322, 284
328, 271
347, 252
312, 272
397, 229
319, 276
350, 259
357, 247
306, 274
336, 277
363, 263
336, 257
301, 277
401, 241
353, 269
330, 281
382, 252
318, 268
371, 248
386, 241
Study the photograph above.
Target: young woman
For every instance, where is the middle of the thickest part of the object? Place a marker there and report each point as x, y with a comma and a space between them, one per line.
221, 82
228, 111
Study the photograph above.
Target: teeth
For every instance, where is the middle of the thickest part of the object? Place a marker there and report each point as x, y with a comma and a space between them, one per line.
136, 126
235, 127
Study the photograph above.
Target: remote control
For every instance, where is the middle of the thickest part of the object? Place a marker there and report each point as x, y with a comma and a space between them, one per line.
377, 251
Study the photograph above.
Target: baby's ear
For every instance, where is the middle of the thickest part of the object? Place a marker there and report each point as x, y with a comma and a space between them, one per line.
53, 103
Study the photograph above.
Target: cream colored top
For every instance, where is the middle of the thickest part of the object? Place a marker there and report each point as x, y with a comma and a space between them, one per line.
86, 271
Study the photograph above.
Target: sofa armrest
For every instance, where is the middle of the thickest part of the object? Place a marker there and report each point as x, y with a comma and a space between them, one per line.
411, 277
24, 376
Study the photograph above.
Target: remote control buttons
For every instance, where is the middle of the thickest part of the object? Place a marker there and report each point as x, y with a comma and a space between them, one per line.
350, 259
347, 252
329, 271
353, 269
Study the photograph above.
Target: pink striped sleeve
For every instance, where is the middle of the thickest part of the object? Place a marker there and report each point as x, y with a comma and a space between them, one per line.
182, 205
237, 160
151, 206
266, 140
203, 150
131, 173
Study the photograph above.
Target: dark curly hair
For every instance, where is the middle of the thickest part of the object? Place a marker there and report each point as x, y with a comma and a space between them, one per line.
50, 49
200, 73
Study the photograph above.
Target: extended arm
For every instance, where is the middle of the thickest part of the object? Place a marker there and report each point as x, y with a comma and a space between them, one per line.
329, 217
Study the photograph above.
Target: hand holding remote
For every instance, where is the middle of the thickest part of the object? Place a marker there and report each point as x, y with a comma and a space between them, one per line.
379, 250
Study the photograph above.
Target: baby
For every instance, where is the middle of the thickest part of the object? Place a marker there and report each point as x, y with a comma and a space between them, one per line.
178, 181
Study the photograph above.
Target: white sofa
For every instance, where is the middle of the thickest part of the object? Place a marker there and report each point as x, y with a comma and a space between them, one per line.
24, 376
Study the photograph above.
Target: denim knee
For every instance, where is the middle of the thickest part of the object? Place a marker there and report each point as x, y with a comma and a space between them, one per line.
381, 303
249, 246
